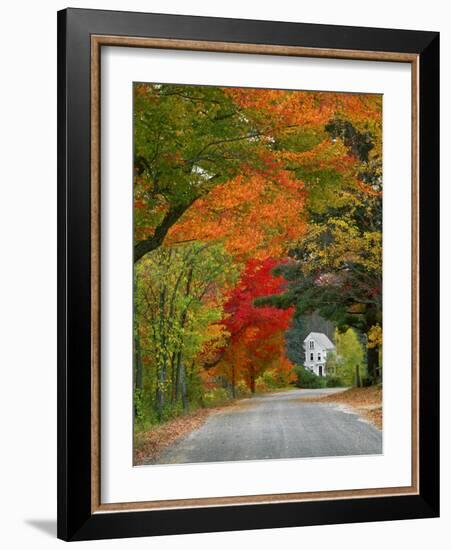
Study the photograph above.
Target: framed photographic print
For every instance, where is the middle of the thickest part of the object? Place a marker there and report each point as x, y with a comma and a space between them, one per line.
248, 274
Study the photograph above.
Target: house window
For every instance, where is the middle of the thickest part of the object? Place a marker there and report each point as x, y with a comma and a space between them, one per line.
311, 357
320, 370
312, 344
319, 356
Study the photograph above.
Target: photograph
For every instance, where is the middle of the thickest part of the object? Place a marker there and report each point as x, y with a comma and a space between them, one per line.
257, 276
248, 272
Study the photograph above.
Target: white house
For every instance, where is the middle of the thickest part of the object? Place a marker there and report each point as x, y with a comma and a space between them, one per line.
316, 347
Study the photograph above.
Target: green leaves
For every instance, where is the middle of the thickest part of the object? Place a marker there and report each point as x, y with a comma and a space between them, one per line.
179, 293
187, 140
348, 358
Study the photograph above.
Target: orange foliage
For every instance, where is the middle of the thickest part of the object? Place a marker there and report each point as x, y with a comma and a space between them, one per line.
306, 108
286, 108
253, 216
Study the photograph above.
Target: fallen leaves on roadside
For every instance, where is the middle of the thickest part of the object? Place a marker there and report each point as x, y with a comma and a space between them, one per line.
149, 444
367, 402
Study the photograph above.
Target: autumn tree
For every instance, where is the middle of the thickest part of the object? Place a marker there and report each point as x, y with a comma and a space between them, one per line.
187, 140
253, 330
179, 297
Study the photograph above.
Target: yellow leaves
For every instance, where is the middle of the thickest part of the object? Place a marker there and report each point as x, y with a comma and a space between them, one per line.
215, 338
328, 154
375, 336
216, 335
372, 243
340, 241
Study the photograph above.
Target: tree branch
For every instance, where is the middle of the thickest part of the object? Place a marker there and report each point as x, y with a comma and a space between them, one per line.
141, 248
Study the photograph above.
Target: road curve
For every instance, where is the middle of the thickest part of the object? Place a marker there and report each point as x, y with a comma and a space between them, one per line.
277, 425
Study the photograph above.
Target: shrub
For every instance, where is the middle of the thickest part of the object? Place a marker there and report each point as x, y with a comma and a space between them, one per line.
139, 407
309, 380
272, 379
334, 382
242, 390
195, 392
260, 385
216, 397
170, 411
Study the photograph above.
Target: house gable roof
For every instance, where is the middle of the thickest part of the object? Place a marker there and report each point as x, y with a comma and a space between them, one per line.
321, 339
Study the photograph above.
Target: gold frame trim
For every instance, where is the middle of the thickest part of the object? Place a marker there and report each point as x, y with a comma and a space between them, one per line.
97, 41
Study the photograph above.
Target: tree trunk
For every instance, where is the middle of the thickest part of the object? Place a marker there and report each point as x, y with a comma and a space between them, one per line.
138, 364
137, 343
178, 366
373, 364
160, 391
173, 369
379, 366
141, 248
372, 356
138, 375
233, 382
183, 387
252, 380
162, 364
358, 381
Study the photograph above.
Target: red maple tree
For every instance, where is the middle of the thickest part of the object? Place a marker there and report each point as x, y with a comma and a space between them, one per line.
254, 331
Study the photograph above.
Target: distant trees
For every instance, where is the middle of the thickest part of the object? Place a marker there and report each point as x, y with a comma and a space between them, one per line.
347, 362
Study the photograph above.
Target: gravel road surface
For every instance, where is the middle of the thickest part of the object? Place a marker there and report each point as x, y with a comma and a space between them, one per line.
278, 425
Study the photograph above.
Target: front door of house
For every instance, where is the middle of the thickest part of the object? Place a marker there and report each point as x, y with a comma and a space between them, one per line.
320, 370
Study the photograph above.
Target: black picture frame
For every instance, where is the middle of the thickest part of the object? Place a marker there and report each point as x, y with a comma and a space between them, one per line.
75, 518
